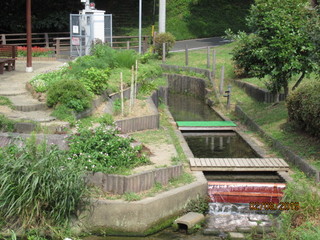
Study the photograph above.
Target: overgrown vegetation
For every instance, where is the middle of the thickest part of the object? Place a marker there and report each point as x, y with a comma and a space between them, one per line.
39, 186
304, 107
162, 38
69, 93
303, 223
280, 46
199, 205
101, 149
6, 125
75, 85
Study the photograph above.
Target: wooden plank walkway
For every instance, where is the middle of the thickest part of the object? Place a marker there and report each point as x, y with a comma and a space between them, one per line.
238, 164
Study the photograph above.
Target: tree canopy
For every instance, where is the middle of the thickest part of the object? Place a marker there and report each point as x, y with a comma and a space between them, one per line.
280, 45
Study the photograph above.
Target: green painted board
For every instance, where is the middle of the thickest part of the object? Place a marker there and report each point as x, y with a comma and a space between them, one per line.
206, 124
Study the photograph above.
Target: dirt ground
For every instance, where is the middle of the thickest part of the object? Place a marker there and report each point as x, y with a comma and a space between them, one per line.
139, 109
161, 152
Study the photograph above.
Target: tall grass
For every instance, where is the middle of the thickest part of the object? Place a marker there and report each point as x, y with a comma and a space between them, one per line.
38, 185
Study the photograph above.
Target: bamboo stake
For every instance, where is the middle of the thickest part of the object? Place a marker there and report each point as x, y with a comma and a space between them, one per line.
121, 89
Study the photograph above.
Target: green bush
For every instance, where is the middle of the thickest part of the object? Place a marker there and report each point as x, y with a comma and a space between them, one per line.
38, 185
95, 80
70, 93
125, 58
42, 82
101, 150
161, 38
304, 107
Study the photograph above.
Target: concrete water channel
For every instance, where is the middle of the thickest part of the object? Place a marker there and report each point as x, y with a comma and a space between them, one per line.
223, 216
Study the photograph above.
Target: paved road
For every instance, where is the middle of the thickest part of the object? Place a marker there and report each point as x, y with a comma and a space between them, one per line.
198, 43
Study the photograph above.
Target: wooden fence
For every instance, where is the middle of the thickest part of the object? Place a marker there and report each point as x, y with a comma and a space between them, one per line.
140, 182
60, 41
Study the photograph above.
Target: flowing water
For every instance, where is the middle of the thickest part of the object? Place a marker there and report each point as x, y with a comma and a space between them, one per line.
223, 216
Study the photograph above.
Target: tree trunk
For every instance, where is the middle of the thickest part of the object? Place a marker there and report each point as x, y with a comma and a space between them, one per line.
314, 3
277, 97
286, 91
299, 81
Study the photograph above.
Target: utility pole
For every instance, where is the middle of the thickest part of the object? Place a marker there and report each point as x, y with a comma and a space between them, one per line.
140, 24
162, 16
29, 37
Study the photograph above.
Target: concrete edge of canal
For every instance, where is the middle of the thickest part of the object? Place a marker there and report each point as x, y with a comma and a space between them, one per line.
144, 217
120, 217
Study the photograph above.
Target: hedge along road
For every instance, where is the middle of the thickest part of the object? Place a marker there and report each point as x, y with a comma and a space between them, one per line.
198, 43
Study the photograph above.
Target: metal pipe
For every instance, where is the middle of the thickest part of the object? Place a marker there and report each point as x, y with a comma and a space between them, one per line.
140, 24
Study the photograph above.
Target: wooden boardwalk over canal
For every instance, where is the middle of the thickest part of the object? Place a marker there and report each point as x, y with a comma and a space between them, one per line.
238, 164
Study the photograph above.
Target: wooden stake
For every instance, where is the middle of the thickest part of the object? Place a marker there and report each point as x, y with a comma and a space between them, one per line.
214, 64
222, 79
136, 80
208, 57
121, 90
187, 55
131, 88
163, 52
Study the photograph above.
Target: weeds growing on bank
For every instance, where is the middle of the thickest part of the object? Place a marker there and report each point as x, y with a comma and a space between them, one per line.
39, 186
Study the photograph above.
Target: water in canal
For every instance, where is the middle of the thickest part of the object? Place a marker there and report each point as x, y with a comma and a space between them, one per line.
188, 108
223, 216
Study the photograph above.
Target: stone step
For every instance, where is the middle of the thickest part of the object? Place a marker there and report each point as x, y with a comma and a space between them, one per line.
36, 116
26, 103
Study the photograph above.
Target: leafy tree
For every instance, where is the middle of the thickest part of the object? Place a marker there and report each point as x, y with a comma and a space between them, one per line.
279, 46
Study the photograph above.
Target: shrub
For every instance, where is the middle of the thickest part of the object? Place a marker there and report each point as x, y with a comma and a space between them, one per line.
102, 150
42, 82
70, 93
125, 58
304, 107
95, 80
161, 38
38, 185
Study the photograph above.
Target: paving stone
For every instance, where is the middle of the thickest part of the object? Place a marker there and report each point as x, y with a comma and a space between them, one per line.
236, 235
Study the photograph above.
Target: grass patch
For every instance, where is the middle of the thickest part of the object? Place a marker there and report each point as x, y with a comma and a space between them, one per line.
6, 124
164, 121
4, 101
272, 118
152, 137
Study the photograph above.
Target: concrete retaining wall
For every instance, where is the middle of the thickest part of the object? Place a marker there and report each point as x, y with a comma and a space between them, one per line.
175, 68
259, 94
119, 184
135, 218
290, 156
186, 84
